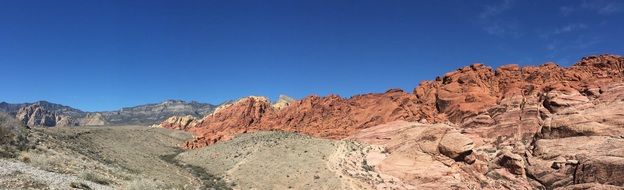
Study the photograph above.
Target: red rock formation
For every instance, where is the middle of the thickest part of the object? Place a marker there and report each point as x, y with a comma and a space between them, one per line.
330, 117
534, 127
510, 102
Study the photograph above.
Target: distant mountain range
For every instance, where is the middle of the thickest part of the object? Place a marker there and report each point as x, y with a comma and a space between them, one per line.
43, 113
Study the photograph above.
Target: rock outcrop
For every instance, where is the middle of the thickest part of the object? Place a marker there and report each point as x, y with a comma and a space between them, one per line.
455, 145
412, 156
330, 117
283, 101
511, 103
534, 127
93, 119
37, 116
180, 122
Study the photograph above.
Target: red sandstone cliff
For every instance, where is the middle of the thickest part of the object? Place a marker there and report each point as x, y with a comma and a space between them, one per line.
535, 127
476, 97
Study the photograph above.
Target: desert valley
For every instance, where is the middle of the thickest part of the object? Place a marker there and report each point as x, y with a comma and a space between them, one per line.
311, 95
476, 127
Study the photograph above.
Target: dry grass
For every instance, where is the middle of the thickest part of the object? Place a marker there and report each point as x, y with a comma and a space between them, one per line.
141, 184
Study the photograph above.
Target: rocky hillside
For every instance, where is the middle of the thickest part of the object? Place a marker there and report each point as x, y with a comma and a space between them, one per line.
532, 127
53, 108
155, 113
48, 114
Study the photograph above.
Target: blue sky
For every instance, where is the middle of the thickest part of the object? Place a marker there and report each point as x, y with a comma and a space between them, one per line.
103, 55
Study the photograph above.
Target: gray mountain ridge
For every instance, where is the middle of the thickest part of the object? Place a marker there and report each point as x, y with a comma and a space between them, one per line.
44, 113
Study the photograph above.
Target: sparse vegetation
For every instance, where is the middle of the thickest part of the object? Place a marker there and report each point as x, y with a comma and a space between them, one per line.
367, 167
89, 176
142, 184
385, 150
12, 136
25, 159
7, 130
89, 154
79, 185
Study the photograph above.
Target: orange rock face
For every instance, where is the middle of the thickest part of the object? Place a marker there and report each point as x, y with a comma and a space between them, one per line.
329, 117
510, 102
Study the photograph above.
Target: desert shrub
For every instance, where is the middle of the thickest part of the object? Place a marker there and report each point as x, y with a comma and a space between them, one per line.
367, 167
25, 159
95, 178
79, 185
7, 129
12, 136
41, 160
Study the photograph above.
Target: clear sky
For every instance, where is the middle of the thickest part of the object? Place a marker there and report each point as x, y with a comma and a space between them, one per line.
102, 55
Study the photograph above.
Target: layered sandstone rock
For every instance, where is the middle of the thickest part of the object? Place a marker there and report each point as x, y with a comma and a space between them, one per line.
508, 103
534, 127
330, 117
580, 149
180, 122
412, 156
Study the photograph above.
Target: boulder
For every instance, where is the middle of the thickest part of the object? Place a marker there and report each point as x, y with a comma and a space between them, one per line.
600, 169
455, 145
513, 163
563, 99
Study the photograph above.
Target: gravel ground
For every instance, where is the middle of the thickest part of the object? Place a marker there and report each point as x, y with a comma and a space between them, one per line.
13, 172
273, 160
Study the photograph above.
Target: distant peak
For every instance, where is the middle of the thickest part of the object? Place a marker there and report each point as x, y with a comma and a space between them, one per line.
42, 102
172, 101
